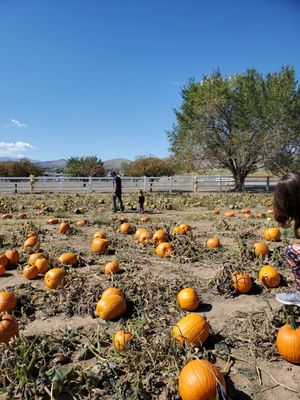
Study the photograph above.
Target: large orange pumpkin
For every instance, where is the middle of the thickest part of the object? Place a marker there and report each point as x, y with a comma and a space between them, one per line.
68, 258
111, 307
112, 290
192, 329
35, 256
13, 257
54, 278
30, 272
8, 328
261, 249
2, 270
288, 342
120, 340
213, 243
64, 227
199, 380
3, 260
112, 267
99, 245
8, 301
269, 276
159, 236
99, 235
242, 283
164, 249
42, 265
272, 234
125, 228
188, 299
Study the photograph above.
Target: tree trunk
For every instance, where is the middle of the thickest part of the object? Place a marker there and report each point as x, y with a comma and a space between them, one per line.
239, 180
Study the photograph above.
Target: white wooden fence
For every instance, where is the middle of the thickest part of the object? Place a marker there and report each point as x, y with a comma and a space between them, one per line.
200, 183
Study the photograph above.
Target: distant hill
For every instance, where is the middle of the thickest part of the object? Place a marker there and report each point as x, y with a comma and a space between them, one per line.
115, 164
53, 164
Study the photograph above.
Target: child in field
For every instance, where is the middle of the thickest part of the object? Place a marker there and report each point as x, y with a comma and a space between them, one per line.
141, 202
286, 206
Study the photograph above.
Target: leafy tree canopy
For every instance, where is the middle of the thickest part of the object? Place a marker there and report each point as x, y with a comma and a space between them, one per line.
239, 122
149, 166
21, 168
85, 166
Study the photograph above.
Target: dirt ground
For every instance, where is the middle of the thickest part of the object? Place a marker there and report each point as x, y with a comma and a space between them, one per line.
67, 349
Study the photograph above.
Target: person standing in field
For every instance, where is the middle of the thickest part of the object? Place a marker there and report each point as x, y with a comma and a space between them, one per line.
286, 205
141, 202
117, 184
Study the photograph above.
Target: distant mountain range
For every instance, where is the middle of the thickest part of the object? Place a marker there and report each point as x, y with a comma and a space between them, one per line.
109, 165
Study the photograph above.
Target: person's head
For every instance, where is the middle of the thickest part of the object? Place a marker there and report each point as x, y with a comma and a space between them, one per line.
141, 192
113, 173
286, 203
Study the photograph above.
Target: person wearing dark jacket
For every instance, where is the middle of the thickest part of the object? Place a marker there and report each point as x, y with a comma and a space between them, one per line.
117, 184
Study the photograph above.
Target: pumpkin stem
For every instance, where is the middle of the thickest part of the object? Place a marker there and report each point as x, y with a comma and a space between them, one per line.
291, 320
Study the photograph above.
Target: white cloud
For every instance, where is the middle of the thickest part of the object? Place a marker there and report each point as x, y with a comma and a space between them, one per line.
14, 123
17, 149
176, 83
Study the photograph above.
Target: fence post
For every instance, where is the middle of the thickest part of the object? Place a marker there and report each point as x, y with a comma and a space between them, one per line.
170, 184
220, 183
195, 183
145, 183
16, 188
62, 184
268, 184
90, 184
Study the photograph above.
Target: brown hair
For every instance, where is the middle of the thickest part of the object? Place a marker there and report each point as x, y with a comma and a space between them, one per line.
286, 201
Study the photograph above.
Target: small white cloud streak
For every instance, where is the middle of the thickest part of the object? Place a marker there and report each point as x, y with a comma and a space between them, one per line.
176, 83
14, 123
10, 149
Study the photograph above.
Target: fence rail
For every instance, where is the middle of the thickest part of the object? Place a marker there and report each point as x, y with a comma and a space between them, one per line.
200, 183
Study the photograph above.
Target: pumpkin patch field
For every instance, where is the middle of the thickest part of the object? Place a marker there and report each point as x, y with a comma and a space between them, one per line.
177, 303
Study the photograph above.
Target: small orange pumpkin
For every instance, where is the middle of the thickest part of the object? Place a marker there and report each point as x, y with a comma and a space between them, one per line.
185, 227
269, 276
246, 211
35, 256
177, 230
242, 283
68, 258
200, 380
54, 278
52, 221
8, 301
145, 218
247, 215
3, 260
229, 214
192, 329
188, 299
159, 236
125, 228
64, 227
13, 257
30, 272
81, 223
31, 241
272, 234
99, 235
8, 328
144, 237
42, 265
99, 246
261, 249
111, 307
139, 231
164, 249
288, 342
213, 243
112, 267
215, 211
120, 340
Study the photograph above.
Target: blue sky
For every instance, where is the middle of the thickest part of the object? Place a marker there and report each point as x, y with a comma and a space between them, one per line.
95, 77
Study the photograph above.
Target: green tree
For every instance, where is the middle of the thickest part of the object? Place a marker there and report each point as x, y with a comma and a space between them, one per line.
149, 166
21, 168
239, 122
85, 166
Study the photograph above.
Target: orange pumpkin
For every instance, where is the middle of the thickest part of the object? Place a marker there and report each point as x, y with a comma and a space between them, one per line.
269, 276
99, 246
120, 340
2, 270
112, 290
261, 249
270, 211
52, 221
229, 214
13, 257
145, 218
3, 260
215, 212
54, 278
177, 230
199, 380
288, 342
8, 301
111, 307
81, 222
185, 227
159, 236
188, 299
213, 243
30, 272
192, 329
164, 249
247, 215
139, 231
64, 227
242, 283
99, 235
8, 328
125, 228
68, 258
112, 267
42, 265
272, 234
35, 256
144, 237
31, 241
